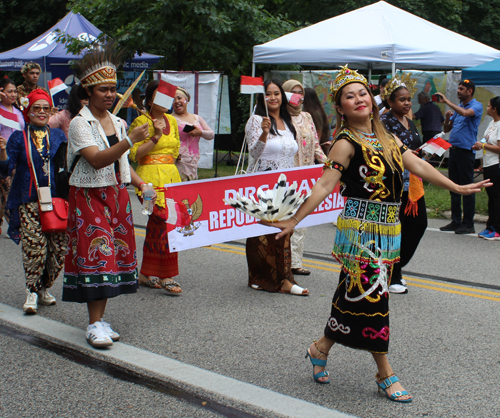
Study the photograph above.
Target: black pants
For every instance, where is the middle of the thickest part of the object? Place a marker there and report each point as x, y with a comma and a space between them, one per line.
493, 173
461, 171
412, 231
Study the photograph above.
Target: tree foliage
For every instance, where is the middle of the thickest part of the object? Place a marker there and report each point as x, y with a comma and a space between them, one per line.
191, 34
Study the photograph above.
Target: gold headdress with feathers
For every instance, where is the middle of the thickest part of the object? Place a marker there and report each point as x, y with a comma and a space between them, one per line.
403, 80
344, 77
98, 66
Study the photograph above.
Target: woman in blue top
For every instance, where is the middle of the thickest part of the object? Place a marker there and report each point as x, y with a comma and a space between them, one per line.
43, 253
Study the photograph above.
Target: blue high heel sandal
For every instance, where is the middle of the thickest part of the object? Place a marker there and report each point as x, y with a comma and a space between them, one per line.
320, 363
387, 383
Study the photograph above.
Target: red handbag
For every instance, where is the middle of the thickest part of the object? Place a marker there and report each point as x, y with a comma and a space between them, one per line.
53, 218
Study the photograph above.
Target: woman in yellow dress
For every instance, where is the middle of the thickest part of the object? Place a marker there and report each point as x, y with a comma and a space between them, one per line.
156, 156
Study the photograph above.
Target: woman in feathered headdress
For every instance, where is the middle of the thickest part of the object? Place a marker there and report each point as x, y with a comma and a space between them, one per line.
368, 161
101, 261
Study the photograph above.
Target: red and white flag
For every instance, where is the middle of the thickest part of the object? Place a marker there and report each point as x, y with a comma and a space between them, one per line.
293, 98
165, 94
56, 85
178, 214
251, 85
9, 119
436, 146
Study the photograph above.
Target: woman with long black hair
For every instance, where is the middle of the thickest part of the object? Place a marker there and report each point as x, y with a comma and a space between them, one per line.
272, 145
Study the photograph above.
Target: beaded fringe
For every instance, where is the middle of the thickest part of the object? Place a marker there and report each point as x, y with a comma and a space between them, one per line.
359, 241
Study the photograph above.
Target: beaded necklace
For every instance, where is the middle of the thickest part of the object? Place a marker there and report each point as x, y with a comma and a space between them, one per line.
39, 134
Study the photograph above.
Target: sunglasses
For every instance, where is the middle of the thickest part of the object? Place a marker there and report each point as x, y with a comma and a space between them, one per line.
38, 109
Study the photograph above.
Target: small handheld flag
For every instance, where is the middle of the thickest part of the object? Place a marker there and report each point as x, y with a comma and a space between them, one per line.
56, 86
165, 94
293, 98
9, 119
251, 85
436, 146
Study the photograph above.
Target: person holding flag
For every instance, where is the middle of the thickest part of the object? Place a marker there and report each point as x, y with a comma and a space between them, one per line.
272, 145
101, 261
192, 128
11, 120
398, 93
156, 156
31, 163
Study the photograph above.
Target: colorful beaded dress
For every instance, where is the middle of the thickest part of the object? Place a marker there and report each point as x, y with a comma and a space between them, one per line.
367, 244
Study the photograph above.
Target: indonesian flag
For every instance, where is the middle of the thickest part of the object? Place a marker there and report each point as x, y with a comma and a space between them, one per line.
293, 98
436, 146
56, 85
165, 94
9, 119
252, 85
178, 214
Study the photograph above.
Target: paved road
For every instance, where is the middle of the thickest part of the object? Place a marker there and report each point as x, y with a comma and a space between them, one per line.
444, 341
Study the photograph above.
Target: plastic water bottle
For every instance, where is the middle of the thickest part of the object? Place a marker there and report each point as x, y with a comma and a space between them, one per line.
147, 201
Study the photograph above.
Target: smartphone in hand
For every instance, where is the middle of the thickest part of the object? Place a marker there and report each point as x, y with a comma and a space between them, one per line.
188, 128
435, 98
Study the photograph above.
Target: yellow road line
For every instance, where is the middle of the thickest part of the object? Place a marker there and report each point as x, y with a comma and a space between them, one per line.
412, 281
439, 289
453, 286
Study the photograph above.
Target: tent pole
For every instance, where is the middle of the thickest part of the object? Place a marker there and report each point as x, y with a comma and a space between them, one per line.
393, 69
369, 73
251, 96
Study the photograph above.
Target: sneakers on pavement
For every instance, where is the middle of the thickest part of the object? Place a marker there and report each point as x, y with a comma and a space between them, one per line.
462, 230
450, 227
31, 305
484, 232
492, 236
45, 298
398, 288
97, 336
112, 334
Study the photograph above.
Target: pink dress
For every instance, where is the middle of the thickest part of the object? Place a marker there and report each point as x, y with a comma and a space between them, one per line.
189, 152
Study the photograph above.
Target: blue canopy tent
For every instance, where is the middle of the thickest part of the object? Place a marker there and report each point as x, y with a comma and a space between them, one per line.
487, 74
45, 51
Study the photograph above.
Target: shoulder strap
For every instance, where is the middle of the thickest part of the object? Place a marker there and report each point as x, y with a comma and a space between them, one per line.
30, 162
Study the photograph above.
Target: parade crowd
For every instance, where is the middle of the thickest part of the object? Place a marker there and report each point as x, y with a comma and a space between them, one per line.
372, 152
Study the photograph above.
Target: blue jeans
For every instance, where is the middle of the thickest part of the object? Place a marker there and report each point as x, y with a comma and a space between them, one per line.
461, 171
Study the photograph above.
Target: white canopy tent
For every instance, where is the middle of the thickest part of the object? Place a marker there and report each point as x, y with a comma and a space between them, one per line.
378, 36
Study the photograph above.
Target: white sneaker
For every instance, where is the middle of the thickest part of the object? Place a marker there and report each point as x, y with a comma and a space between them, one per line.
97, 336
398, 288
45, 298
31, 305
112, 334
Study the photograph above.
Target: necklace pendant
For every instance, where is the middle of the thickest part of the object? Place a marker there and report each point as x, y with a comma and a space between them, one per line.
45, 168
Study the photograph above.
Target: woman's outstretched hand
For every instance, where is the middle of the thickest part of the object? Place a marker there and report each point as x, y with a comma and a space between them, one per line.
468, 189
285, 226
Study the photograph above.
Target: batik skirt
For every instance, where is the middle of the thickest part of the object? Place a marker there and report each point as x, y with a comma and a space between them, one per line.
101, 261
269, 262
157, 260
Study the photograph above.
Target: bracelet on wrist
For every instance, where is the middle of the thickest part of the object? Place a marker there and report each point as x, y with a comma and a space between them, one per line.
296, 220
129, 142
154, 140
140, 185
